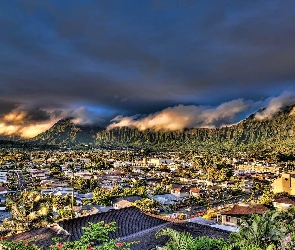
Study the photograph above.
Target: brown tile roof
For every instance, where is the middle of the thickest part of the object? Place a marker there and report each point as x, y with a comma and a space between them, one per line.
195, 190
127, 198
242, 210
148, 240
285, 200
42, 236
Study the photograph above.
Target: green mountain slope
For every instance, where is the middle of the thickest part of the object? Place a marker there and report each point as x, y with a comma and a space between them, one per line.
65, 132
279, 131
249, 132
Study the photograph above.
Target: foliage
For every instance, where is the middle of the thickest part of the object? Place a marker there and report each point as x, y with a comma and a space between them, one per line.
66, 214
266, 197
59, 201
260, 231
85, 185
271, 137
21, 245
184, 241
103, 196
95, 237
161, 189
210, 214
148, 205
30, 210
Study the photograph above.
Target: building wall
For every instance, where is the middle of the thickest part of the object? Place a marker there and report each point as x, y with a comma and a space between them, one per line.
229, 220
283, 184
179, 194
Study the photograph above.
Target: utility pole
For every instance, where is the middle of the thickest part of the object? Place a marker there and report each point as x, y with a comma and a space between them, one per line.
73, 176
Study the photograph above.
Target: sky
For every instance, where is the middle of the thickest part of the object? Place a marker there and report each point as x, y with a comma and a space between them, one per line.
151, 64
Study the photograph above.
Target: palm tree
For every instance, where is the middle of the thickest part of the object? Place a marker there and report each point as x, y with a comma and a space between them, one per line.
260, 230
178, 241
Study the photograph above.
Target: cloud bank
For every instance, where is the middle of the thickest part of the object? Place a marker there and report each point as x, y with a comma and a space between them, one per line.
180, 117
275, 105
28, 120
191, 116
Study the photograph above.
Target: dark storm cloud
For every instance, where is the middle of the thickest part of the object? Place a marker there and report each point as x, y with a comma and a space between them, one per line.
7, 106
27, 116
101, 58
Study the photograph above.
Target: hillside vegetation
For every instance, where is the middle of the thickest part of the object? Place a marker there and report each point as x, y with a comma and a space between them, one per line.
250, 134
66, 133
278, 131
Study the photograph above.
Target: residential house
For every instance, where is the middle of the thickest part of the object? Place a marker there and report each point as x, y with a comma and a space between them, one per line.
125, 201
283, 203
3, 192
286, 183
195, 192
166, 199
131, 223
85, 175
233, 216
53, 184
181, 192
3, 176
58, 191
158, 161
41, 174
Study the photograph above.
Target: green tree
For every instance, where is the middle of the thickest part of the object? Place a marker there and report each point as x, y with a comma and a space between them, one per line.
185, 241
148, 205
266, 197
101, 196
30, 210
82, 184
161, 189
59, 201
260, 230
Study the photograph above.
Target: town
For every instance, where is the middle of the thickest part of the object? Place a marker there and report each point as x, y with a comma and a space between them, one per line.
214, 190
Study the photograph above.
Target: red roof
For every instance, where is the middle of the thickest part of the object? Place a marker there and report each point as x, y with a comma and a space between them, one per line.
284, 200
181, 189
195, 190
246, 210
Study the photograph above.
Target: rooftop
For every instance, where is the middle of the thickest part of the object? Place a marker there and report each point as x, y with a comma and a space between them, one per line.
240, 210
133, 225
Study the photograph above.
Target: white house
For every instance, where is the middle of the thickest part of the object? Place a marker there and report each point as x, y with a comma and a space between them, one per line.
41, 174
180, 192
159, 161
58, 191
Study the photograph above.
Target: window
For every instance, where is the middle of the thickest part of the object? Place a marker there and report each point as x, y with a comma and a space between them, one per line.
227, 219
238, 221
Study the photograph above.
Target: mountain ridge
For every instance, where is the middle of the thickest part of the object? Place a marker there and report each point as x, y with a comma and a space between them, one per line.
280, 127
65, 132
